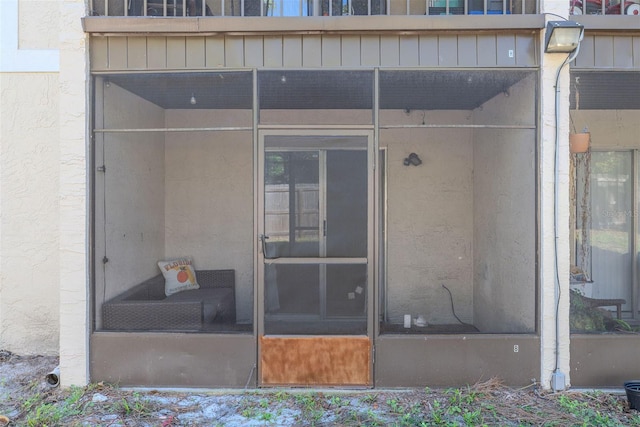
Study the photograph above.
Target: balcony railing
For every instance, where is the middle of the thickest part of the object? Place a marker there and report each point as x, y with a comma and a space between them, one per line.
202, 8
599, 7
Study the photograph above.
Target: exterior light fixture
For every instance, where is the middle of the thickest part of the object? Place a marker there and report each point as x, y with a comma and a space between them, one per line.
413, 159
193, 99
563, 36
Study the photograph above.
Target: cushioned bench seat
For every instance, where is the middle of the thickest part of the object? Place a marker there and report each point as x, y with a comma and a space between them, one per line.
145, 306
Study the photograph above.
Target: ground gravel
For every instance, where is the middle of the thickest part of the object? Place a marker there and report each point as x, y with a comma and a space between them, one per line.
27, 400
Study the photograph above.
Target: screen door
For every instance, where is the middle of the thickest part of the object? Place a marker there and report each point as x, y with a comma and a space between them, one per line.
315, 216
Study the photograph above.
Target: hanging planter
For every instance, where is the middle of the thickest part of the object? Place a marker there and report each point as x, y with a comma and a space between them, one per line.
579, 142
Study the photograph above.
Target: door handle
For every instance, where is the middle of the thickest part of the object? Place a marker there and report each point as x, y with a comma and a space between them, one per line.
324, 228
263, 240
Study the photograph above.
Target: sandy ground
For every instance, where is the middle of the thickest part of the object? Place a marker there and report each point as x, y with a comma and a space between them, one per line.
27, 400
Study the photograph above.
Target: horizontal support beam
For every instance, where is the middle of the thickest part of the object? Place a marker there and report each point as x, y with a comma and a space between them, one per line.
400, 24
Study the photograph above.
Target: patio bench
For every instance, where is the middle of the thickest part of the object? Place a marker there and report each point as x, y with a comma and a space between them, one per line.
146, 307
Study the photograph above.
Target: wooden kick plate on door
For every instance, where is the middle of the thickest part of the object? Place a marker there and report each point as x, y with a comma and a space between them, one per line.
315, 361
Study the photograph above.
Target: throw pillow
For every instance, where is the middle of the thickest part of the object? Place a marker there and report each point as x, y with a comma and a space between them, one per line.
179, 275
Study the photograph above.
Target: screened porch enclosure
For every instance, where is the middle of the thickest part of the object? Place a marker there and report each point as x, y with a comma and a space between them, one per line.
604, 201
182, 160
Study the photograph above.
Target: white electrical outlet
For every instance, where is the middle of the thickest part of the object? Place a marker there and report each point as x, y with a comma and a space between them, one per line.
510, 53
516, 348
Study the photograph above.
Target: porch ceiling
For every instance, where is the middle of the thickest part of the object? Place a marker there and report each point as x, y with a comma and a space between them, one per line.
605, 90
415, 90
296, 89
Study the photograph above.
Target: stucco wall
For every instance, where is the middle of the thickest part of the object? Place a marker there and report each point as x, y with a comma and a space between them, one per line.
610, 129
504, 215
37, 21
29, 224
429, 219
209, 197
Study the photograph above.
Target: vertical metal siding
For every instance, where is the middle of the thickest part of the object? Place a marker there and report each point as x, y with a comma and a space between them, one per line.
622, 48
429, 51
195, 52
311, 51
409, 51
585, 57
448, 51
607, 52
176, 52
526, 52
468, 51
506, 48
370, 51
273, 51
99, 53
390, 51
292, 51
234, 51
117, 53
157, 55
253, 52
331, 51
137, 53
350, 51
214, 52
603, 51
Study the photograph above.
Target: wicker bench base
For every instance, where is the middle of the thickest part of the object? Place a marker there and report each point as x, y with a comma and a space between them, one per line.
146, 308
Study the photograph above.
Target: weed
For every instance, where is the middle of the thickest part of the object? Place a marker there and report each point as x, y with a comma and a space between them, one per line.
395, 406
311, 410
337, 401
248, 412
282, 396
581, 410
472, 418
40, 413
134, 406
267, 416
370, 398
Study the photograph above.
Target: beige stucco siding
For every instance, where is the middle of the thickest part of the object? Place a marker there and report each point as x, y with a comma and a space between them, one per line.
37, 21
29, 224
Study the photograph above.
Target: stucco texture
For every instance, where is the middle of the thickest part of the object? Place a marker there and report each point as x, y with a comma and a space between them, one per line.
37, 21
29, 224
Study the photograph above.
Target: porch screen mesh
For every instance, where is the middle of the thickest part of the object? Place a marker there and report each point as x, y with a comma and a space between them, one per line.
173, 181
459, 188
